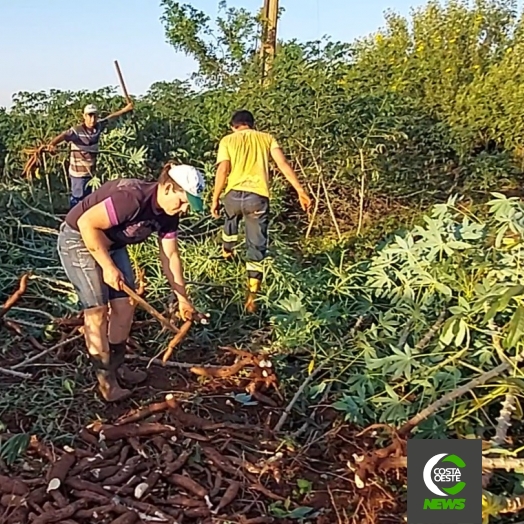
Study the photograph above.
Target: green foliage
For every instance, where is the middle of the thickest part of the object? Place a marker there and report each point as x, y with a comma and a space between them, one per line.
14, 447
424, 110
426, 106
222, 52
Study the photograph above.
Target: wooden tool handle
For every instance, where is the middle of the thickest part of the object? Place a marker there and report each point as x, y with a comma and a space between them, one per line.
122, 83
150, 309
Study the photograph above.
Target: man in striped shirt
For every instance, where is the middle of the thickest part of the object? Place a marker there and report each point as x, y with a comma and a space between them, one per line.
84, 140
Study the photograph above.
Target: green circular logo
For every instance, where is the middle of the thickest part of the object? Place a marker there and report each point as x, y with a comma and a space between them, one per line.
433, 476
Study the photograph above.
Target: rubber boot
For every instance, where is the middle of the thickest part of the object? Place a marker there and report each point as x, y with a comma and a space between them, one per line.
253, 289
108, 386
124, 372
227, 255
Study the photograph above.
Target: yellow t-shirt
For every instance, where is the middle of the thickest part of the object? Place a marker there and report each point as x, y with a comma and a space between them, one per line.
248, 151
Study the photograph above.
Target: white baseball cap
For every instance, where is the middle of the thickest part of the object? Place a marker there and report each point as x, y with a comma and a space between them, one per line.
192, 182
89, 109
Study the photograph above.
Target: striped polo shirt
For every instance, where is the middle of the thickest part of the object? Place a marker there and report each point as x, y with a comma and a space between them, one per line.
84, 148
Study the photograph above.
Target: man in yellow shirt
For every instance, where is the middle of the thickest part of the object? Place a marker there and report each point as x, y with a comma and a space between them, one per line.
243, 164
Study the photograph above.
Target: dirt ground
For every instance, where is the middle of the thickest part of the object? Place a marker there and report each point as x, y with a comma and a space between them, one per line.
193, 444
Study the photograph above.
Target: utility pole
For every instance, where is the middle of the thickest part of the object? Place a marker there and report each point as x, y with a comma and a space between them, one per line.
269, 35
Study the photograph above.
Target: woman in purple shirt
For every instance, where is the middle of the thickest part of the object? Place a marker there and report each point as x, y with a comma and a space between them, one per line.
92, 248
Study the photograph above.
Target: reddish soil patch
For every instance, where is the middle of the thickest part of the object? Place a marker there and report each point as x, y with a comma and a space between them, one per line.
209, 446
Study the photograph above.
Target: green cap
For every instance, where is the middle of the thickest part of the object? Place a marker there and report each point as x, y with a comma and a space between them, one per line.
192, 182
195, 202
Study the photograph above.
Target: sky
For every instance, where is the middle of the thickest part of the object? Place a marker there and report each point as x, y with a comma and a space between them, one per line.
70, 45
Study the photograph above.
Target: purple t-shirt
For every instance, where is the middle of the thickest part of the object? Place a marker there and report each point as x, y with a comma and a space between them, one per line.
133, 210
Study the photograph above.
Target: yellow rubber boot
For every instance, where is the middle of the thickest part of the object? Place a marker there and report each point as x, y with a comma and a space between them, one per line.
227, 255
253, 289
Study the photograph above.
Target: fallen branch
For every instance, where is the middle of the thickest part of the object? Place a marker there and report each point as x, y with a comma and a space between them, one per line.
503, 425
452, 395
488, 464
15, 297
433, 330
34, 358
294, 400
371, 461
15, 373
169, 364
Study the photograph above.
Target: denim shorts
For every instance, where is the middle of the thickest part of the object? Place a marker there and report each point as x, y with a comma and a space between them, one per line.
84, 272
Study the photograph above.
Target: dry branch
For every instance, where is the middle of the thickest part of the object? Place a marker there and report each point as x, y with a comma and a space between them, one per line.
44, 352
503, 425
294, 400
452, 395
16, 374
433, 330
488, 464
15, 297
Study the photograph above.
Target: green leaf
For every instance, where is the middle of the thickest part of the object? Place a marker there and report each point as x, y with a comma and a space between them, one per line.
300, 512
462, 331
14, 447
278, 511
500, 236
391, 392
492, 311
508, 295
515, 328
304, 485
448, 333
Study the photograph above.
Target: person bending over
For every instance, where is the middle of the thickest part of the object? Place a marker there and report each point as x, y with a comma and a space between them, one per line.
92, 248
